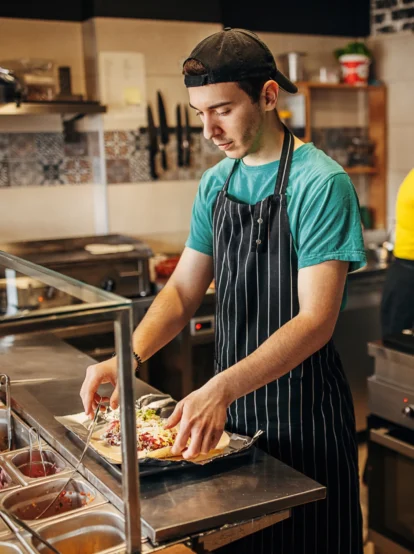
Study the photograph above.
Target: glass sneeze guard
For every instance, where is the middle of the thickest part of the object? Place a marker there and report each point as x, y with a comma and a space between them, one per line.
34, 298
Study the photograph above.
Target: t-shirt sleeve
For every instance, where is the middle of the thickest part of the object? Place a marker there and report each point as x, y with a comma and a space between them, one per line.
329, 226
201, 227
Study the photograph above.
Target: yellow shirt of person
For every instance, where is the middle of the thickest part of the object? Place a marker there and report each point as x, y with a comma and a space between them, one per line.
404, 231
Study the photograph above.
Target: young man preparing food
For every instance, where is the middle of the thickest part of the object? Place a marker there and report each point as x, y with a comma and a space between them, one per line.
277, 224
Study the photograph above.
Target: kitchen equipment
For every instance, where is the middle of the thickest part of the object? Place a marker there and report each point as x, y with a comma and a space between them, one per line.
152, 142
37, 75
13, 522
164, 132
34, 442
32, 466
361, 152
390, 465
179, 136
327, 75
20, 432
291, 64
11, 89
379, 254
124, 272
98, 530
187, 139
404, 341
26, 293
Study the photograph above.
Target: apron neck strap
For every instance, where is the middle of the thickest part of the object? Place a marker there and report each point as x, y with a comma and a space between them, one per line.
285, 162
226, 184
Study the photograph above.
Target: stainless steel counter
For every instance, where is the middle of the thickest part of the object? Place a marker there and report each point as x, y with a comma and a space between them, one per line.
46, 377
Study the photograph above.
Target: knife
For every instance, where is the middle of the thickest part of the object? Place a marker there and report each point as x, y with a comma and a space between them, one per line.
164, 134
153, 142
179, 135
187, 139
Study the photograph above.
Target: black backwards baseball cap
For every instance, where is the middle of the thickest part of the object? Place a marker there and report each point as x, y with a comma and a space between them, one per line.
235, 55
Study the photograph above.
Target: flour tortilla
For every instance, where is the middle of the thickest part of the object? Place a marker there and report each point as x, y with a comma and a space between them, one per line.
114, 453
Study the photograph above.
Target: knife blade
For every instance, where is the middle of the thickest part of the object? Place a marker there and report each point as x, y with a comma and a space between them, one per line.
187, 138
164, 134
153, 142
179, 135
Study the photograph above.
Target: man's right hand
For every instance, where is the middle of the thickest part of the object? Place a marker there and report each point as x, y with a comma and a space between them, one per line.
96, 375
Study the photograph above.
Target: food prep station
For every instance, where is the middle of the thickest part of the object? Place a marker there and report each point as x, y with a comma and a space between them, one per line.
105, 508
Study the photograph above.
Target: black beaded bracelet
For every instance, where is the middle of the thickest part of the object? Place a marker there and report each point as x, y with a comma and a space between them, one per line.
138, 360
139, 364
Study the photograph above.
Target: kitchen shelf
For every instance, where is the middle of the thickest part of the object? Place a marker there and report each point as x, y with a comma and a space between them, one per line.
40, 108
337, 86
361, 170
376, 106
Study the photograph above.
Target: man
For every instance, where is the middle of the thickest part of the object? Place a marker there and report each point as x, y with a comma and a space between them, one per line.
277, 224
397, 308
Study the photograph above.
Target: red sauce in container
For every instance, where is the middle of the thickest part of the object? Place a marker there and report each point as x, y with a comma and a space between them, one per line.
37, 469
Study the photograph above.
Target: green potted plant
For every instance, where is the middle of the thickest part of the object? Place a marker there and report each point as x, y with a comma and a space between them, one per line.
354, 58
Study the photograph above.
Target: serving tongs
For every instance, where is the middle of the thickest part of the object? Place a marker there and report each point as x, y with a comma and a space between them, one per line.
34, 439
69, 479
14, 523
5, 385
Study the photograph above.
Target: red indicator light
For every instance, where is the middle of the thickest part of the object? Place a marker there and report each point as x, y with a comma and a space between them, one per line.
405, 400
198, 326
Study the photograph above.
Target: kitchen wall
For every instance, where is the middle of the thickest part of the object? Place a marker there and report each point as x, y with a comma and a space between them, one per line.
394, 54
392, 16
135, 204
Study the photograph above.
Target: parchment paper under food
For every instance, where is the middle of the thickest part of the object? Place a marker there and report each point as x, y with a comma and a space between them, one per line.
164, 405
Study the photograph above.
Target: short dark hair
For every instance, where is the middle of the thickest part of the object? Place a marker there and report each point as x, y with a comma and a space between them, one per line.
252, 87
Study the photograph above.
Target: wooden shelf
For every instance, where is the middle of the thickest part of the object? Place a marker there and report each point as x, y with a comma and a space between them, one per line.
361, 170
41, 108
376, 107
338, 86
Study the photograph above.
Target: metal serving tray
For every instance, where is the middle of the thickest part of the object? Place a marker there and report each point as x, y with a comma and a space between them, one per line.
28, 502
164, 405
20, 431
99, 530
18, 462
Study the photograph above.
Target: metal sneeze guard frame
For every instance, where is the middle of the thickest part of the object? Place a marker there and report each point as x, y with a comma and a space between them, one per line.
102, 306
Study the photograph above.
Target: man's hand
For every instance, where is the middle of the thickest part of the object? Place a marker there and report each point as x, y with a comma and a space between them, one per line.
97, 375
202, 416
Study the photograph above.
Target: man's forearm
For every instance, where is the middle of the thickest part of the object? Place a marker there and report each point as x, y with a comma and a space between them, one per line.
167, 316
280, 353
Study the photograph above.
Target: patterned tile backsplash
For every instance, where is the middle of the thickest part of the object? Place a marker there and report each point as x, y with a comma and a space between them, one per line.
28, 159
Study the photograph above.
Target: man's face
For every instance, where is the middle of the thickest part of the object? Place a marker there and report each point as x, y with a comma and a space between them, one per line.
229, 118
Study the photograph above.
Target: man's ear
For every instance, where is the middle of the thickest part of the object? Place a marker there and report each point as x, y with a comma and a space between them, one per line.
270, 93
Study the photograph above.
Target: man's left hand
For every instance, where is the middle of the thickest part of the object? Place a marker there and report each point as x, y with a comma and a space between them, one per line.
202, 416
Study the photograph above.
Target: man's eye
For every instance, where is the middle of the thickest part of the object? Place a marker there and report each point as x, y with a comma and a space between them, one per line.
199, 114
223, 113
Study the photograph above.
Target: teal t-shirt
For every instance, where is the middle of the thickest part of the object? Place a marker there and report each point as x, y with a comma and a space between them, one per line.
323, 207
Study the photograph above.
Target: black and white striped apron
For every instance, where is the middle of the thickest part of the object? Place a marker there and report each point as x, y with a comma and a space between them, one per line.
307, 415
